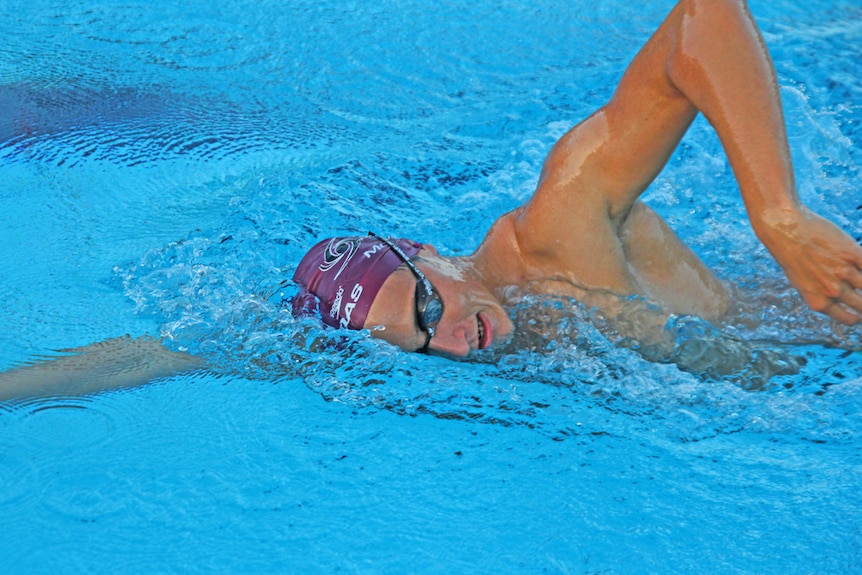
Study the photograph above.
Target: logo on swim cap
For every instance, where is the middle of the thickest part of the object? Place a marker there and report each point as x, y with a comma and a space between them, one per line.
339, 250
342, 285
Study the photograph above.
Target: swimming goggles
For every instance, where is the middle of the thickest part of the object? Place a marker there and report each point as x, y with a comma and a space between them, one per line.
429, 306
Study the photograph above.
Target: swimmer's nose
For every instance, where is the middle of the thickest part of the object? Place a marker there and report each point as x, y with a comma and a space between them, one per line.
454, 340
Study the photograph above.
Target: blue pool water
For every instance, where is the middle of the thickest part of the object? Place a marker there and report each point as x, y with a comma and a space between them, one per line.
162, 167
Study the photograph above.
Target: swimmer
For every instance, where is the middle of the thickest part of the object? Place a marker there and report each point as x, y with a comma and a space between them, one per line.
584, 234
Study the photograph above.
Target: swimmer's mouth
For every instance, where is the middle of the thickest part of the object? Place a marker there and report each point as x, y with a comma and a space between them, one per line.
484, 332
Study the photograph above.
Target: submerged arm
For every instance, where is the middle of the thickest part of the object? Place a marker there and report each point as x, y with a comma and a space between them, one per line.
112, 364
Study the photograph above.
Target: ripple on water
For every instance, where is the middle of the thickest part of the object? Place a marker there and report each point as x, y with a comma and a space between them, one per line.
72, 125
61, 423
44, 434
66, 554
18, 474
86, 494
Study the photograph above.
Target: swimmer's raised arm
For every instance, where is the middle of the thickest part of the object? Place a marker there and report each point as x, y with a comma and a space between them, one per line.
707, 56
722, 65
116, 363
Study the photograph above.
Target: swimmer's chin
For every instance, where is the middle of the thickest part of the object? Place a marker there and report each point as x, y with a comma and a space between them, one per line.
493, 350
490, 354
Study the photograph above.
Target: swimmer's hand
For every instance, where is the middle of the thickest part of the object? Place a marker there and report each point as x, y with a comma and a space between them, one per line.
696, 346
699, 347
691, 343
821, 261
112, 364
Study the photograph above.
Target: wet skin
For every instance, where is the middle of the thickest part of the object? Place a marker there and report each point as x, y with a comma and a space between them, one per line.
476, 289
585, 234
473, 315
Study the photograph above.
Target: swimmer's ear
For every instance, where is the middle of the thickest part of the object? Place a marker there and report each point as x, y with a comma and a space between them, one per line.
430, 248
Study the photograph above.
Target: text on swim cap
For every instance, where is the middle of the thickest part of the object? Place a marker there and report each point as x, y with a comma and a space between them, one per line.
374, 249
355, 294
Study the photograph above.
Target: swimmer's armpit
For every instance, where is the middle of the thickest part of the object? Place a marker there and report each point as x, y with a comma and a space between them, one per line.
116, 363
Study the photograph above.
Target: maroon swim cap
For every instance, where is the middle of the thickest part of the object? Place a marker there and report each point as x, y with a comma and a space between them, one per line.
341, 276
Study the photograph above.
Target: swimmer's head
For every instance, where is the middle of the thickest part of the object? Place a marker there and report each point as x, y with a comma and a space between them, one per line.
340, 277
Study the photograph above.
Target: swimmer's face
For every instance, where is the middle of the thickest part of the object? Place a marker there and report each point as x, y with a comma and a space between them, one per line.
473, 318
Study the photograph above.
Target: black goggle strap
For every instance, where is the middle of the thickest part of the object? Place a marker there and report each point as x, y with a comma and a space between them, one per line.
400, 253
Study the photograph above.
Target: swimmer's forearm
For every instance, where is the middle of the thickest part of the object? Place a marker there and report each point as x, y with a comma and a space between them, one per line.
721, 64
113, 364
692, 344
